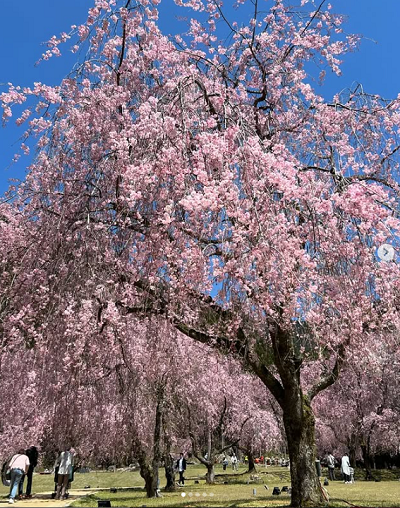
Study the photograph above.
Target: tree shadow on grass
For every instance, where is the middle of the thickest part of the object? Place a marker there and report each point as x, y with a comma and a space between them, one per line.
126, 501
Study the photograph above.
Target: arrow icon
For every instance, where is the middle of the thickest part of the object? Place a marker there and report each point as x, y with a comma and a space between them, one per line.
386, 252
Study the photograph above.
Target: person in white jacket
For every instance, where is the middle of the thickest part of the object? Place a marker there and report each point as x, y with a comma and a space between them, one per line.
65, 463
234, 462
346, 468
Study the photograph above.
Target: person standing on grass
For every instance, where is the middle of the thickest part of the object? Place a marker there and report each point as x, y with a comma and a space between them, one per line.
65, 464
181, 467
19, 465
55, 471
346, 468
331, 466
33, 455
234, 462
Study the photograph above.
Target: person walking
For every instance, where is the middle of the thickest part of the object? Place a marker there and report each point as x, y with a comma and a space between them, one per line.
19, 465
33, 455
346, 468
65, 463
181, 467
331, 466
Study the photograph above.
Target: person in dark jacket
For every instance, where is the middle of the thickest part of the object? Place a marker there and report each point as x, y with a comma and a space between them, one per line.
330, 460
55, 469
181, 467
33, 455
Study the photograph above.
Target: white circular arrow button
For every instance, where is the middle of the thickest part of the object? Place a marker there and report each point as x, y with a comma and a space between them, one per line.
386, 252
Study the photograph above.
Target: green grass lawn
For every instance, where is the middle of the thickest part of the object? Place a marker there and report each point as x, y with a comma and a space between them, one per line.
237, 492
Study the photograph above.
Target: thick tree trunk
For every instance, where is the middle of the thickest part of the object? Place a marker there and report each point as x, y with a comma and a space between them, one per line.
157, 442
169, 465
150, 478
149, 471
299, 424
252, 464
209, 443
367, 461
353, 441
210, 475
169, 473
298, 419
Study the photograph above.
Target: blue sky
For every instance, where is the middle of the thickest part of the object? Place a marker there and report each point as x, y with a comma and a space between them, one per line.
26, 24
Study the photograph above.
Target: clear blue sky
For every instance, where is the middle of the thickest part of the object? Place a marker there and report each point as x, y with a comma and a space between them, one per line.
26, 24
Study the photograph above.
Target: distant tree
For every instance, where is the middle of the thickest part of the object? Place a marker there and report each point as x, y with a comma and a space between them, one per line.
360, 413
218, 407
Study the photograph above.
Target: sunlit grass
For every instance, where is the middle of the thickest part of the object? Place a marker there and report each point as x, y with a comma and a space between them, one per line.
362, 494
240, 491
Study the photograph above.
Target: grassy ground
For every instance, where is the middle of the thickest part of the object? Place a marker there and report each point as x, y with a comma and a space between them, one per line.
238, 492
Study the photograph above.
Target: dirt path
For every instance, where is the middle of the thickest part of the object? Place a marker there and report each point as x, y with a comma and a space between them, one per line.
44, 499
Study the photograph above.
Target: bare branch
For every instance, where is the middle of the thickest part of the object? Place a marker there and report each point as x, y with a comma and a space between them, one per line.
332, 376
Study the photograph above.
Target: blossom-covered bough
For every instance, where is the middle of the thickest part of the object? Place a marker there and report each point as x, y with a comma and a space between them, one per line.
200, 178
